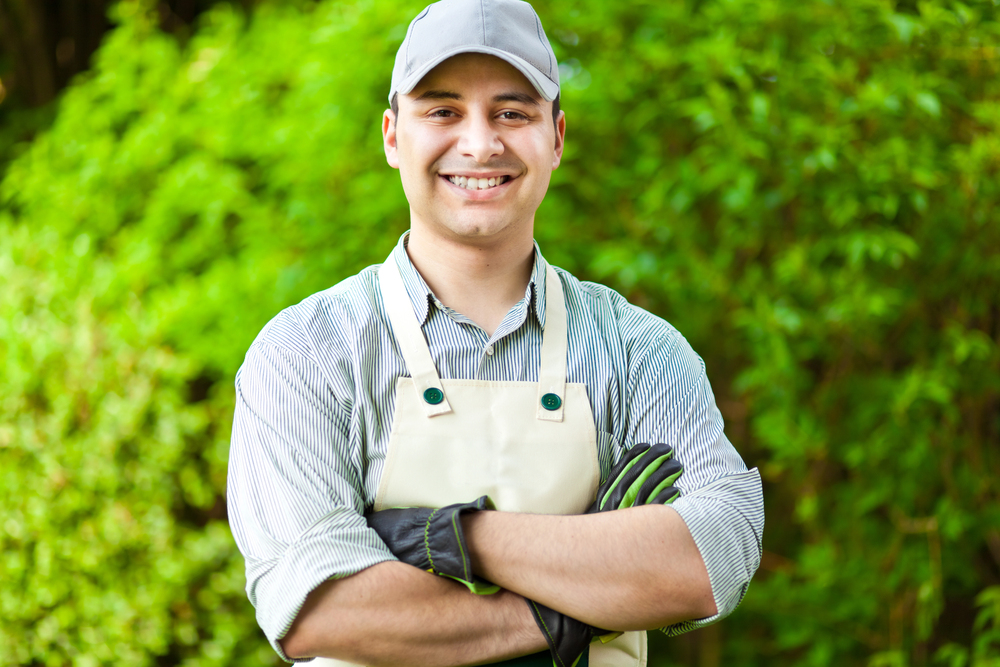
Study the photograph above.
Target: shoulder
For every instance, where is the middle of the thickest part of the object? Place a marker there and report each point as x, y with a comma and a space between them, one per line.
327, 321
635, 329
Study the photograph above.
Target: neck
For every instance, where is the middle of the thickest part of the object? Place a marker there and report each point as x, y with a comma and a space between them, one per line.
483, 282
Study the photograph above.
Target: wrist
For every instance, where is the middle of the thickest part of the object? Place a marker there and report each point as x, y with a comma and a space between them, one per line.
525, 635
473, 527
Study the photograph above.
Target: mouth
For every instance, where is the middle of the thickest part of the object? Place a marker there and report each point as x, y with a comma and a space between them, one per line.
474, 183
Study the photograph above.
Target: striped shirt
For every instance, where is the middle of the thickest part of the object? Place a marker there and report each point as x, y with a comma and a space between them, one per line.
314, 405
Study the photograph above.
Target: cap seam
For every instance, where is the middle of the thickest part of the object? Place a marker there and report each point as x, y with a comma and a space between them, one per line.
409, 34
541, 40
482, 18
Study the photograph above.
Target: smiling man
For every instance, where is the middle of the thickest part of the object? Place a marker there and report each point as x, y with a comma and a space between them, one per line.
457, 410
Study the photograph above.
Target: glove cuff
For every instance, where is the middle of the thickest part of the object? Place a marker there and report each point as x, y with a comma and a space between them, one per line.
567, 637
447, 549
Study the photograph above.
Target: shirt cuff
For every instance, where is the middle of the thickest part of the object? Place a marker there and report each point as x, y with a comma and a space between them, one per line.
726, 520
329, 550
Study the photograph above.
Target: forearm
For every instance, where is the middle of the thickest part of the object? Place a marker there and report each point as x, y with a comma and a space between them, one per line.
393, 613
630, 569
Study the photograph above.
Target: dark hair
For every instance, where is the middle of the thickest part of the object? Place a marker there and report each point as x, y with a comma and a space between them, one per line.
394, 105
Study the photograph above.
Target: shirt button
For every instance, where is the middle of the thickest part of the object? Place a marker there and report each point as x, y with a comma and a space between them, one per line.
489, 350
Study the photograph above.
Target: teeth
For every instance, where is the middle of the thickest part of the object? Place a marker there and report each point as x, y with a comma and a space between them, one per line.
478, 183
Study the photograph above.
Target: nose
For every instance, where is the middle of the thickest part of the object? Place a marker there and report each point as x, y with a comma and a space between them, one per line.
479, 139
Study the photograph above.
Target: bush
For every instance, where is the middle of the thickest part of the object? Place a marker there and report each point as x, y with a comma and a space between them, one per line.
809, 191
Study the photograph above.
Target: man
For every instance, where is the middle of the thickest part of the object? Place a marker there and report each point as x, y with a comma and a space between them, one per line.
466, 366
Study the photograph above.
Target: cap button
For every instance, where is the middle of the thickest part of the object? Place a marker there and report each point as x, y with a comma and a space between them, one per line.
433, 395
551, 402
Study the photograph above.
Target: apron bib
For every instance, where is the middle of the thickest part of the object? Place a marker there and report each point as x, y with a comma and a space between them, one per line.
531, 447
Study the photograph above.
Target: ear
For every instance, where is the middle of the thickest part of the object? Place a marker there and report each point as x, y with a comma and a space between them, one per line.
389, 138
560, 139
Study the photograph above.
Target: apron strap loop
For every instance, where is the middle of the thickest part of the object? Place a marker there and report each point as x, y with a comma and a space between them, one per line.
410, 339
552, 368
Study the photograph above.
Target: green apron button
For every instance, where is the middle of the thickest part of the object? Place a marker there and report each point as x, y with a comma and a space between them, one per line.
550, 402
435, 396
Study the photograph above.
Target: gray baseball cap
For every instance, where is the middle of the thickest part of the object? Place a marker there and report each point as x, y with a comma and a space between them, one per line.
507, 29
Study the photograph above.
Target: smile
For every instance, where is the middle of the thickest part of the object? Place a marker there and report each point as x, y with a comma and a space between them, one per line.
477, 183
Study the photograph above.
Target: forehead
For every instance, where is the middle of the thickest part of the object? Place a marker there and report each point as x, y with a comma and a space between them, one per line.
468, 73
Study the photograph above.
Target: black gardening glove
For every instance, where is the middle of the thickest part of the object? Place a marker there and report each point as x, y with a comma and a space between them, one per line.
567, 637
645, 476
433, 540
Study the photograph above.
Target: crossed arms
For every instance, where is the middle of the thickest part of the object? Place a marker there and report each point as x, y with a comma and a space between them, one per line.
632, 569
324, 584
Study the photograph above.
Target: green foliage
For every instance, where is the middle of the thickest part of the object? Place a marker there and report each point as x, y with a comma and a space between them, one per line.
985, 650
178, 202
808, 190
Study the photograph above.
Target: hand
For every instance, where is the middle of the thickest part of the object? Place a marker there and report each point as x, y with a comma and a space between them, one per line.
567, 637
645, 476
433, 540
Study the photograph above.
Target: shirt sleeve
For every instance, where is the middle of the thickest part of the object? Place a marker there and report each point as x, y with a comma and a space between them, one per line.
721, 501
294, 497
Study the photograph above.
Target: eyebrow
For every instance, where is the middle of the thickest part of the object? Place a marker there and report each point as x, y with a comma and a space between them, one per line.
439, 95
512, 96
523, 98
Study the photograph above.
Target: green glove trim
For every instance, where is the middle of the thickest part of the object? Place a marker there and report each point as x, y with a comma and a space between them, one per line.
545, 628
643, 476
477, 585
619, 475
427, 541
658, 488
460, 540
617, 481
633, 490
666, 498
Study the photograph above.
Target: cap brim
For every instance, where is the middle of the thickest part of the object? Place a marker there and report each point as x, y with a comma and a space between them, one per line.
547, 88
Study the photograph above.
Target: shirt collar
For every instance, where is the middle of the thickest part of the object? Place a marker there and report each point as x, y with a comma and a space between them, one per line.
421, 296
536, 286
416, 288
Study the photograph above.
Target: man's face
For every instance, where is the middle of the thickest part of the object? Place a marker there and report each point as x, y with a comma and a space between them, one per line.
474, 117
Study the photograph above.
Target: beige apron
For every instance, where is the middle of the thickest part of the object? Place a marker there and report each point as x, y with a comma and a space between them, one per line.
531, 447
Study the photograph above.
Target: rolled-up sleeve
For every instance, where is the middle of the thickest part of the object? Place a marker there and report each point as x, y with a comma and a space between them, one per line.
294, 497
721, 500
726, 519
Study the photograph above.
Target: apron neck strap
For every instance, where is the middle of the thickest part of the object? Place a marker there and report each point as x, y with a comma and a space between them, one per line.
409, 337
552, 367
427, 382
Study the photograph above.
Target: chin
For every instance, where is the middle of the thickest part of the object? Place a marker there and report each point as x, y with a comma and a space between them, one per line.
478, 226
479, 229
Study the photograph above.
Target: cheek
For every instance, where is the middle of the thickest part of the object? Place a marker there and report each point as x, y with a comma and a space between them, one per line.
417, 162
409, 169
540, 150
420, 151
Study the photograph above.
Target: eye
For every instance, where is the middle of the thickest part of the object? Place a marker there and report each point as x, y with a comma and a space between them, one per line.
513, 115
442, 113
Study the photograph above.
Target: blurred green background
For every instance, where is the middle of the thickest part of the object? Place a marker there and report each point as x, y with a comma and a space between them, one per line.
809, 190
